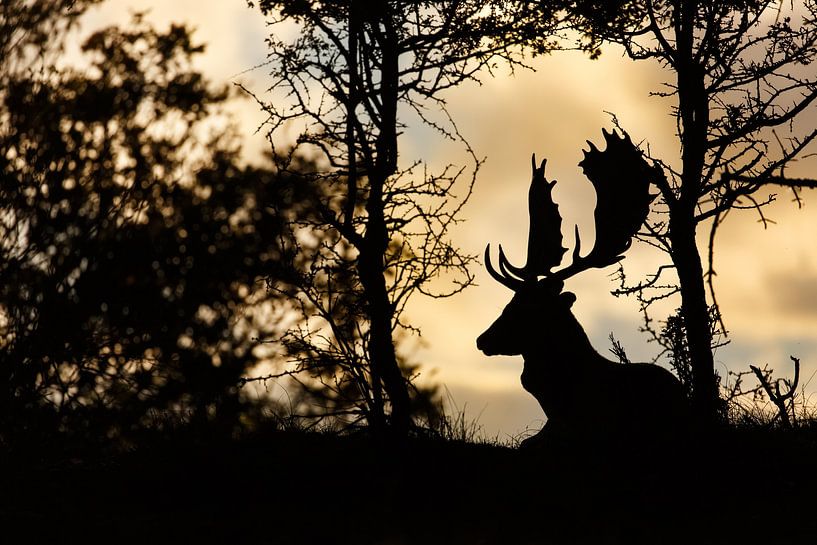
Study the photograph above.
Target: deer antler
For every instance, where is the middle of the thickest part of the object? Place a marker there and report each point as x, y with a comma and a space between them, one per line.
545, 249
544, 235
621, 178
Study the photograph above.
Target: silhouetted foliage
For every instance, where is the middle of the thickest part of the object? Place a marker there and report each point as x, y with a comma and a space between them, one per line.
673, 341
134, 246
32, 32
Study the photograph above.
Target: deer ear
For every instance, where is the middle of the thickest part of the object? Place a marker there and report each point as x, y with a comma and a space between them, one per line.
568, 298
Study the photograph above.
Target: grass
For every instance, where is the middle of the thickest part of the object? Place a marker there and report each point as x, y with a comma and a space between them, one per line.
292, 487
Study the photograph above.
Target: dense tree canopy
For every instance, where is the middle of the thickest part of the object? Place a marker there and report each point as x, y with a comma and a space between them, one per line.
134, 243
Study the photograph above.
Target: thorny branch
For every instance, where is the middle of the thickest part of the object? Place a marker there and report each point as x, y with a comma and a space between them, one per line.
337, 86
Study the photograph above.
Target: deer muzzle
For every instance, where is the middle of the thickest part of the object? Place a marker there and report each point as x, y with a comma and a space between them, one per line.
496, 342
484, 345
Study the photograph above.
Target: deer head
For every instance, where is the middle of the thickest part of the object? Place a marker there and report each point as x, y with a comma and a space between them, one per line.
621, 178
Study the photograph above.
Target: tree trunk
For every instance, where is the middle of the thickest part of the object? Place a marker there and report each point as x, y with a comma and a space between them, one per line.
695, 312
381, 344
376, 415
376, 239
693, 110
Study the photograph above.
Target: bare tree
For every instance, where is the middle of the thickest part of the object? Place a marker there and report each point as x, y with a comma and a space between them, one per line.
740, 80
351, 74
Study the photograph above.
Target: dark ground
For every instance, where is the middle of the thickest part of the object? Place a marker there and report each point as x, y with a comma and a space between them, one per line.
293, 488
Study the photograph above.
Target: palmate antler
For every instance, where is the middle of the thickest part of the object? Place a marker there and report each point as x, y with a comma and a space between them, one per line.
544, 236
621, 178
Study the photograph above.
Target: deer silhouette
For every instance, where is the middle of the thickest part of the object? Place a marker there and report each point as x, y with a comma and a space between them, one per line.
583, 394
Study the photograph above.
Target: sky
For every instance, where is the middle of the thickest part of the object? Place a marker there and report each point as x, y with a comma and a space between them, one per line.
766, 278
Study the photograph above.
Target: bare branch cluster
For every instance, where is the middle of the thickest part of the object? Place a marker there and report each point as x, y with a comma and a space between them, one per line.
741, 80
770, 402
345, 76
753, 60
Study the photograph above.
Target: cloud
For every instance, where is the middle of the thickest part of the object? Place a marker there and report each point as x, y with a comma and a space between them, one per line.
794, 292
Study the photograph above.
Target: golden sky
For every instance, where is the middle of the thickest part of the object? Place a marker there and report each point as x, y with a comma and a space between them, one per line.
767, 279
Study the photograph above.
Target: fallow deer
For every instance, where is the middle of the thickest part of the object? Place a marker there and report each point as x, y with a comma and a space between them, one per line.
583, 394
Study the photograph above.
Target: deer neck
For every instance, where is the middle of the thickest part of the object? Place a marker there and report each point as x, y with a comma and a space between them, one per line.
573, 345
